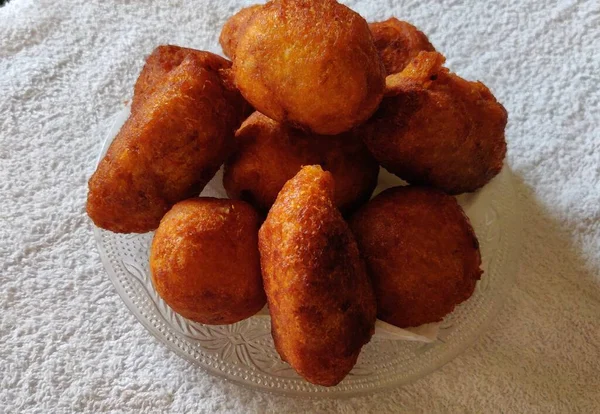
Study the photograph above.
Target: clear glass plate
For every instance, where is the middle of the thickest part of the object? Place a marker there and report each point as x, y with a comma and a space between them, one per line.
244, 352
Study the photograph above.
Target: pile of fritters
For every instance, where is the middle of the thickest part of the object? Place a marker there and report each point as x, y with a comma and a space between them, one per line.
314, 101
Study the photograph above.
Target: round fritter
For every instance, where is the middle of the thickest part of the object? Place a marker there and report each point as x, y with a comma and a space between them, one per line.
234, 27
167, 151
205, 262
320, 299
421, 253
309, 64
398, 42
269, 153
437, 129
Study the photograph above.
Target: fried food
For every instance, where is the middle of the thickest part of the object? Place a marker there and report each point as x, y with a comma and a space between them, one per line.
205, 263
320, 299
421, 253
398, 42
437, 129
310, 64
268, 154
234, 27
165, 58
167, 150
162, 61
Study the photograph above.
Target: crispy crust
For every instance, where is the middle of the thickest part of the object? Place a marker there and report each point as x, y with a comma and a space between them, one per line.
162, 61
398, 42
269, 153
168, 149
421, 253
321, 302
205, 263
435, 128
309, 64
234, 27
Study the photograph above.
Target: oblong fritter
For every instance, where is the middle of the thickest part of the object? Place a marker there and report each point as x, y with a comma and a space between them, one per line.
320, 299
269, 153
421, 253
398, 42
205, 263
437, 129
163, 60
309, 64
167, 150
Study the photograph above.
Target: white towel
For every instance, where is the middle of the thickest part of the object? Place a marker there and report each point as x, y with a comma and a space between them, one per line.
67, 342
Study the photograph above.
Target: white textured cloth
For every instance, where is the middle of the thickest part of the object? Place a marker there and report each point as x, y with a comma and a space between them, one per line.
68, 343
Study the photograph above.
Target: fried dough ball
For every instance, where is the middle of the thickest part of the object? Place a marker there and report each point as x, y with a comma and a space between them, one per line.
421, 253
167, 150
437, 129
310, 64
320, 299
398, 42
205, 263
233, 28
269, 153
165, 58
162, 61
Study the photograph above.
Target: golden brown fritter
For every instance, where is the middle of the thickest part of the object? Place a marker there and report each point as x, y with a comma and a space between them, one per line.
162, 61
269, 153
437, 129
205, 263
421, 253
398, 42
320, 299
234, 27
167, 151
309, 64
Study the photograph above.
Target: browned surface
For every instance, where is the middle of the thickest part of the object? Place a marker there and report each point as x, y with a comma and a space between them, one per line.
435, 128
163, 60
205, 263
398, 42
310, 64
234, 27
168, 149
421, 253
321, 302
269, 153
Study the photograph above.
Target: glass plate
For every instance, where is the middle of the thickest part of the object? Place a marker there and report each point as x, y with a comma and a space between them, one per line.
244, 352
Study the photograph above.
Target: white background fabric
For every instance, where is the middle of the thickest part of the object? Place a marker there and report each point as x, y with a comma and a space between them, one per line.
67, 342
